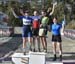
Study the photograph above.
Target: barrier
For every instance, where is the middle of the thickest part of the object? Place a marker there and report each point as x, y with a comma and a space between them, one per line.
69, 33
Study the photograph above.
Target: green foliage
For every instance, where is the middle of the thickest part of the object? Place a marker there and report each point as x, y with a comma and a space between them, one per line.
71, 25
59, 10
48, 4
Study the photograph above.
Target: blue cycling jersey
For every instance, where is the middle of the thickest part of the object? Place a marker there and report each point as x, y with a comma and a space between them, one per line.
56, 29
26, 20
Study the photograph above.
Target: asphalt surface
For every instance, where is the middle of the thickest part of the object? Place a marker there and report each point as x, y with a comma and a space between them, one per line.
15, 44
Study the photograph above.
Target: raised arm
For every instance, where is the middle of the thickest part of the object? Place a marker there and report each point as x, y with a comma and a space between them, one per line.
53, 9
21, 11
14, 13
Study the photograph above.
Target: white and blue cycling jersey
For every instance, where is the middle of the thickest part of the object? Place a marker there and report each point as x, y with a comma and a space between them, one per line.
27, 21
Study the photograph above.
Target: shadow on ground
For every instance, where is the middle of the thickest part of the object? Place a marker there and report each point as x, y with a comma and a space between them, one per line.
66, 56
11, 45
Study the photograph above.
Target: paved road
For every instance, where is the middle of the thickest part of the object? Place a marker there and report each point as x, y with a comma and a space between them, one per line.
8, 47
15, 44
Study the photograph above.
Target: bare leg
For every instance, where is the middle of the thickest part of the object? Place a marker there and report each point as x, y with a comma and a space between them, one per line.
30, 41
54, 50
45, 43
24, 42
38, 41
60, 50
24, 45
34, 44
54, 47
42, 41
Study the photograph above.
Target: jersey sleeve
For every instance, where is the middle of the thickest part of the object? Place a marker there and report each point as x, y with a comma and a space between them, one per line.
20, 17
31, 20
39, 17
31, 17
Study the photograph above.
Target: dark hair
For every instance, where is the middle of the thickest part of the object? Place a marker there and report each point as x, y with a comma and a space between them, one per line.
26, 11
55, 17
44, 10
35, 10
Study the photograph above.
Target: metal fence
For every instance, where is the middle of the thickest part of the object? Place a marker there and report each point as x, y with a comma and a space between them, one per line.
69, 33
6, 31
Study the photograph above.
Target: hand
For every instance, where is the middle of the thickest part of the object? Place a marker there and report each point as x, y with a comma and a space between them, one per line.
54, 3
21, 11
40, 25
11, 9
49, 9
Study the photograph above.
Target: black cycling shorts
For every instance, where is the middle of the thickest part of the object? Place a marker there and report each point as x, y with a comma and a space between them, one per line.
56, 38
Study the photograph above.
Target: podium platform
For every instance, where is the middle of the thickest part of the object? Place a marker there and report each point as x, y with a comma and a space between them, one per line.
36, 58
19, 58
30, 58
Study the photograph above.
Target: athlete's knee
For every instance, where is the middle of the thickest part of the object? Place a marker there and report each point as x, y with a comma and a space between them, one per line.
24, 39
30, 39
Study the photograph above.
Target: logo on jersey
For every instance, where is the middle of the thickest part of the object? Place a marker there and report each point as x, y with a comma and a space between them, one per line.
26, 21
